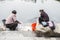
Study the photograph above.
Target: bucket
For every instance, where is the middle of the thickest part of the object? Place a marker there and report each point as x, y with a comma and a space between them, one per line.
33, 26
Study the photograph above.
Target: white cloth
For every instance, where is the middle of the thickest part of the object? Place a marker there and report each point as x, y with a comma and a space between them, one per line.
42, 29
50, 24
44, 23
11, 18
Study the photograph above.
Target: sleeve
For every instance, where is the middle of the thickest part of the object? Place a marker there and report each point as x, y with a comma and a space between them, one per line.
14, 18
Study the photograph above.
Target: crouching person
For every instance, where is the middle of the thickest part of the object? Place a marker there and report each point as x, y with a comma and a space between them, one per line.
49, 25
11, 21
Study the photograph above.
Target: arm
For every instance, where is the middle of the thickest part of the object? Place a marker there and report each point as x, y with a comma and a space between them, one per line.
18, 21
14, 19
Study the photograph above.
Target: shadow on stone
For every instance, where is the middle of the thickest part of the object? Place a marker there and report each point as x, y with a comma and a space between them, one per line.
47, 34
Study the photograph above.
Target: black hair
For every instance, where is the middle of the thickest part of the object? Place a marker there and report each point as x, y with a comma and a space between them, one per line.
41, 10
14, 12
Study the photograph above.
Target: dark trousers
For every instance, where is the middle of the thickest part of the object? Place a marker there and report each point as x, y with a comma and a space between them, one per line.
12, 26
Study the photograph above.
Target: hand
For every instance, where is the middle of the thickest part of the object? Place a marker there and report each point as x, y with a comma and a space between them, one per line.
19, 23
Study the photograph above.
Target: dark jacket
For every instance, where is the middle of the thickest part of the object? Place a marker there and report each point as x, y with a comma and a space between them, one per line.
44, 16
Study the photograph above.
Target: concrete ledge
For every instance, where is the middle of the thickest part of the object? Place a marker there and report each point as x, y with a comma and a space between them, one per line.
16, 35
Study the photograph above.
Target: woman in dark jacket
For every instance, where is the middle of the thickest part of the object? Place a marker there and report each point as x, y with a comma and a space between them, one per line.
43, 18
